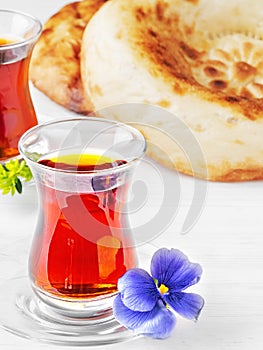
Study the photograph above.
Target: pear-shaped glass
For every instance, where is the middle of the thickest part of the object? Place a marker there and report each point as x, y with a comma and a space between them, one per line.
83, 241
18, 34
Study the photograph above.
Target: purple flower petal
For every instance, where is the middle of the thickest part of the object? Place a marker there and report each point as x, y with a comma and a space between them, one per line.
157, 323
173, 269
138, 290
188, 305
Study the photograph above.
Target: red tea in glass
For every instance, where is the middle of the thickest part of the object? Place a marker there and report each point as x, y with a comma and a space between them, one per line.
83, 241
18, 33
16, 109
82, 250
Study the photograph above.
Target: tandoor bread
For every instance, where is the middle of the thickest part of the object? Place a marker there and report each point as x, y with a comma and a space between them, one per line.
200, 63
55, 63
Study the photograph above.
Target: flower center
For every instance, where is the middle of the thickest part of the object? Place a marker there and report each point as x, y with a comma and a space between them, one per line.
163, 289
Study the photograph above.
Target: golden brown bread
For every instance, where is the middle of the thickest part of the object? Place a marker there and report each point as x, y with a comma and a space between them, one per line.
185, 56
225, 65
200, 60
55, 63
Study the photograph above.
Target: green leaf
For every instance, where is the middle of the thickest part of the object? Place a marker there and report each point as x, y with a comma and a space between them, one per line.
4, 167
18, 185
12, 175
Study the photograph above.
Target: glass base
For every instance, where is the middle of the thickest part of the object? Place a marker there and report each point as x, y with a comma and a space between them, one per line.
25, 315
81, 308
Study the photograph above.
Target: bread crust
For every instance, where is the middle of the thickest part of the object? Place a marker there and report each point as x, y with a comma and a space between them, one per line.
55, 62
157, 32
189, 58
180, 55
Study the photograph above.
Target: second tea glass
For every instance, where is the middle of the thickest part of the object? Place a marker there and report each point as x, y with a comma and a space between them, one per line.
18, 34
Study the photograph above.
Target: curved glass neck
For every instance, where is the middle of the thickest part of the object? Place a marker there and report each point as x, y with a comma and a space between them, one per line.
80, 137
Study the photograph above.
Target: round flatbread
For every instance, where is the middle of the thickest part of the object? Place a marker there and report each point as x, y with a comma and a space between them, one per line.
55, 63
200, 60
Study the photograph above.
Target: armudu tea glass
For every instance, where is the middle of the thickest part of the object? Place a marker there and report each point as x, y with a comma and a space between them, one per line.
83, 241
18, 35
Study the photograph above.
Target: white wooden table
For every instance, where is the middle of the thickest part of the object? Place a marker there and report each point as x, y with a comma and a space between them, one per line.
226, 239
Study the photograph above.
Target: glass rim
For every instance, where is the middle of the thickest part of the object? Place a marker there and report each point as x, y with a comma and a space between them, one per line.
88, 119
25, 41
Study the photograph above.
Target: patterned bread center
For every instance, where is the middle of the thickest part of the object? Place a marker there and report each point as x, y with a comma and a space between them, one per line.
233, 64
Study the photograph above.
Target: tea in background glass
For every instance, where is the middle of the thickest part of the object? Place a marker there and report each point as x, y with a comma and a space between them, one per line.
18, 34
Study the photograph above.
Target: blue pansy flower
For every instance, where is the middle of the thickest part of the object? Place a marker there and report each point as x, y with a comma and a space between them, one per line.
147, 304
